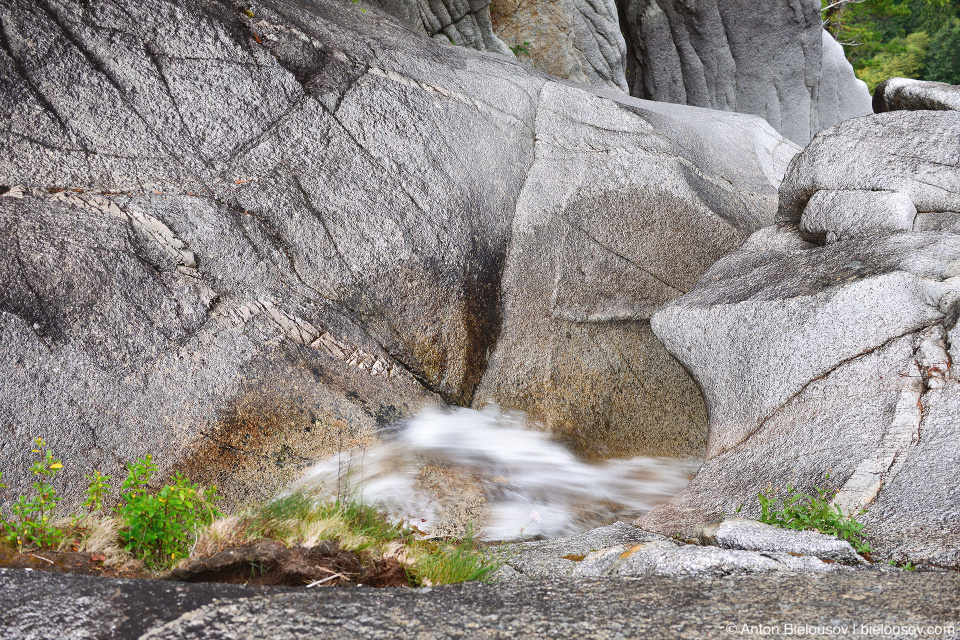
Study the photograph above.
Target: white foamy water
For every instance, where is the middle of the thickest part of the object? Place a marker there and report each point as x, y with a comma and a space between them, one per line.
445, 461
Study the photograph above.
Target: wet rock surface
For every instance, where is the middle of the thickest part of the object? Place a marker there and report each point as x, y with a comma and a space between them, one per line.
41, 606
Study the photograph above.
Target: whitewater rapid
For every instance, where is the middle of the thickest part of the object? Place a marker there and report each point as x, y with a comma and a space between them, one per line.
491, 467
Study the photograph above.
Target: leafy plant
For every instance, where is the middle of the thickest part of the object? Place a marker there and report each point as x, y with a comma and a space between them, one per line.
802, 511
902, 57
97, 488
520, 48
32, 524
161, 527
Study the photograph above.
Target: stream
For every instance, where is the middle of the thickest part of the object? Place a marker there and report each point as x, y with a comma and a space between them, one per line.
445, 468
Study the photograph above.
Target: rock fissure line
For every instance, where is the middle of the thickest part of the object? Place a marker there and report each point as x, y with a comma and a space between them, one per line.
621, 256
803, 388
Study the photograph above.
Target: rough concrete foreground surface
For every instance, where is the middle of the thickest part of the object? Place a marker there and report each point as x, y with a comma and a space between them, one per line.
240, 243
869, 605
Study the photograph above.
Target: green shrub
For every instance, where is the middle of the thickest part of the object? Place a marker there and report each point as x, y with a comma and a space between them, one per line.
160, 527
902, 57
32, 524
803, 511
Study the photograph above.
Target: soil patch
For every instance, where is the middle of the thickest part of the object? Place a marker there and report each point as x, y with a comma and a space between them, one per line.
88, 564
265, 562
270, 563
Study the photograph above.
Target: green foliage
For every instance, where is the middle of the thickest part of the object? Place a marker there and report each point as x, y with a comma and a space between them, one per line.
904, 58
299, 518
160, 527
863, 26
32, 524
450, 563
943, 62
803, 511
882, 38
520, 48
97, 488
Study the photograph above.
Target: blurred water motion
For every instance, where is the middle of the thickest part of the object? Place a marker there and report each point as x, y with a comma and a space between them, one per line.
445, 467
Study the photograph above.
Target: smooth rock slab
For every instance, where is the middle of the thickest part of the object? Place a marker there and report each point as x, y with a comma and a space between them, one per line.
839, 214
667, 558
751, 535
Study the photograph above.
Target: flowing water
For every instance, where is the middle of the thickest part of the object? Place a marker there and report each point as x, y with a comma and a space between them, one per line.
445, 467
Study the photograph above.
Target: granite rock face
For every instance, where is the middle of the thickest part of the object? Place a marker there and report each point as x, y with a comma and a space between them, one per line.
559, 557
827, 342
596, 248
707, 54
895, 94
913, 153
575, 39
460, 22
241, 243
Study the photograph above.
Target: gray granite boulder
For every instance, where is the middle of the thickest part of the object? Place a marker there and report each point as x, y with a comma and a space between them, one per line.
751, 535
828, 346
243, 238
827, 359
579, 40
913, 153
708, 54
895, 94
